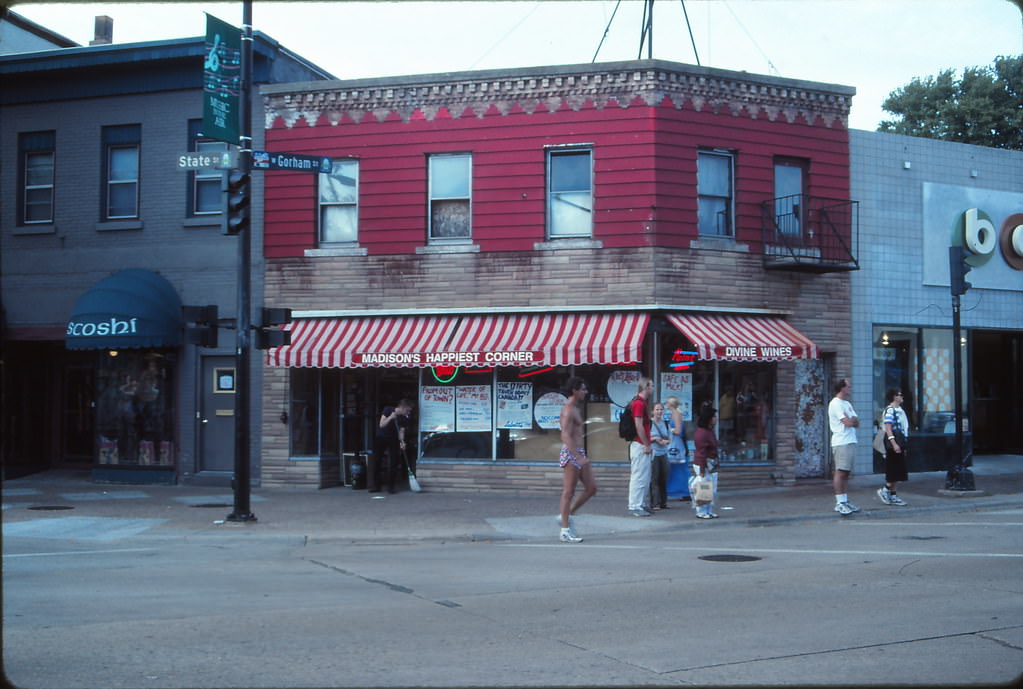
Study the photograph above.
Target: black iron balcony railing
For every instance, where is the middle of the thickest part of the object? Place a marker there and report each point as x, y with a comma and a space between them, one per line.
810, 234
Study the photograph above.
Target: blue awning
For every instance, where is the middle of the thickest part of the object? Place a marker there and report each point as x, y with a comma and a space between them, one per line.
133, 308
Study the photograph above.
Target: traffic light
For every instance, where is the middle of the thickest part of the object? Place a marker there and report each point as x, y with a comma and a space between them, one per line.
201, 325
236, 186
958, 268
267, 334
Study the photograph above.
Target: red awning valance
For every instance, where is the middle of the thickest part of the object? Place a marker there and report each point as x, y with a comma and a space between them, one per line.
421, 341
744, 338
561, 339
391, 342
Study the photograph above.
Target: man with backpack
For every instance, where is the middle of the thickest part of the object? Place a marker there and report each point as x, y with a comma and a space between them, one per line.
640, 449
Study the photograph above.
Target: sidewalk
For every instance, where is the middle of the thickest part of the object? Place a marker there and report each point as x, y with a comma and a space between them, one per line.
67, 505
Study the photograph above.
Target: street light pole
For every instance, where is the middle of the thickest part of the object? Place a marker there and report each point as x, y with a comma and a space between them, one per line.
242, 451
959, 477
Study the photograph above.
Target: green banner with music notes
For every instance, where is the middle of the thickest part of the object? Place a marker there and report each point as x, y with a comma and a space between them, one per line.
222, 81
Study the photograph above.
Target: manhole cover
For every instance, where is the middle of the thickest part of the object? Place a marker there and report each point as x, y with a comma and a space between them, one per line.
51, 508
212, 504
729, 558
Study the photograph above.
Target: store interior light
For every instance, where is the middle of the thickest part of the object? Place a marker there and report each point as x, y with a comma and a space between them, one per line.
884, 339
112, 352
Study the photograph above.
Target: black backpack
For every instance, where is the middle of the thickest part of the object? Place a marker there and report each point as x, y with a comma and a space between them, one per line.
627, 423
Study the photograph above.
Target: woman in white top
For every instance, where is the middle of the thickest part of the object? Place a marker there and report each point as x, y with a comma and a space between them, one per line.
896, 433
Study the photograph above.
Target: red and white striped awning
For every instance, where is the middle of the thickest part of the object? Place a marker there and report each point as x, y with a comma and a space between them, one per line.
421, 341
558, 339
391, 342
744, 338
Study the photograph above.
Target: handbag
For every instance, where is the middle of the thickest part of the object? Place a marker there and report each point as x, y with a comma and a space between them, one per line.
704, 494
879, 439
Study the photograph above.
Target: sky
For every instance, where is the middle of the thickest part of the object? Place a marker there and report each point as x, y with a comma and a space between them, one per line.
876, 46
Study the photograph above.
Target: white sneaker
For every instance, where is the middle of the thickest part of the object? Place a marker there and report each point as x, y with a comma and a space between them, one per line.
885, 495
568, 536
844, 508
896, 500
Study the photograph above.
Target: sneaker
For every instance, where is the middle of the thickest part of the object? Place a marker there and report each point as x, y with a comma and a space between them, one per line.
853, 507
894, 499
640, 513
703, 515
885, 496
713, 515
568, 536
844, 508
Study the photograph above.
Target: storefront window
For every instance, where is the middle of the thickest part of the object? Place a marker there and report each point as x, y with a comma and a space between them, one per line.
918, 361
456, 414
314, 416
461, 414
742, 392
135, 408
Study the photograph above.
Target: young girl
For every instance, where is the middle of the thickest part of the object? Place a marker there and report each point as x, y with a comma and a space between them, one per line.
705, 459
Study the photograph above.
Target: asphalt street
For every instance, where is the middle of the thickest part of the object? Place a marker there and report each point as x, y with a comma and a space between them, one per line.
334, 588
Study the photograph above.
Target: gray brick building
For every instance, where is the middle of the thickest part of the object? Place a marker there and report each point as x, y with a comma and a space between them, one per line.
90, 140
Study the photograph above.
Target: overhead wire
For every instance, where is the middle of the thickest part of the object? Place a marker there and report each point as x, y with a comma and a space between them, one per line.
507, 34
606, 29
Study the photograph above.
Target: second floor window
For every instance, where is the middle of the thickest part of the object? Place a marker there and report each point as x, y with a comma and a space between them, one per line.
121, 147
715, 172
204, 186
37, 176
569, 193
339, 203
451, 196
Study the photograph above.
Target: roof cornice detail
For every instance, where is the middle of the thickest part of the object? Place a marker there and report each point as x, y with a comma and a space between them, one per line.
649, 82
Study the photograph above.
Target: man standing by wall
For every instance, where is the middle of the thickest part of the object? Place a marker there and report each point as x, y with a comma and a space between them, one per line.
844, 422
640, 449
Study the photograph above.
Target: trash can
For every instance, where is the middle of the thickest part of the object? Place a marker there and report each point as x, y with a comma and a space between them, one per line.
358, 472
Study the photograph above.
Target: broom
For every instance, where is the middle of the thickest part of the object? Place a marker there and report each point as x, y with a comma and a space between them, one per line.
413, 482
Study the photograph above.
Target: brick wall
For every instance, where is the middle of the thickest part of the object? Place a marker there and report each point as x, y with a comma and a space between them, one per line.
818, 305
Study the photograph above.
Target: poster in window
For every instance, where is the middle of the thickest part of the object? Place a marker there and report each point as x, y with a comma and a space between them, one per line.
473, 408
548, 410
514, 405
436, 409
679, 385
622, 386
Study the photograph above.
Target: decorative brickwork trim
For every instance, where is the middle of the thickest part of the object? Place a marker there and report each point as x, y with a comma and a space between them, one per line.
478, 94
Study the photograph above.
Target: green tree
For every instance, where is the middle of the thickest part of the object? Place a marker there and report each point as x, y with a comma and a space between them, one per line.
983, 107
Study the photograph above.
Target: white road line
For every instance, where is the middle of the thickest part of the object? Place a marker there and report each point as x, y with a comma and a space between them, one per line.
81, 552
774, 551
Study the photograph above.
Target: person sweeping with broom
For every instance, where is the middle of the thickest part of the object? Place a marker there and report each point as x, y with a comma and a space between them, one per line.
389, 441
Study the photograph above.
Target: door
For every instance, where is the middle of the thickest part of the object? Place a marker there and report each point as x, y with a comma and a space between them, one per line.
216, 415
788, 196
78, 419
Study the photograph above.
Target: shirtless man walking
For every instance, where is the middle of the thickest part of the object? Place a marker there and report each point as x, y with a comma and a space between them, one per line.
573, 458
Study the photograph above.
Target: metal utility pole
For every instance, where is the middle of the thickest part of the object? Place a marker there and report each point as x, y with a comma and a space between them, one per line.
243, 383
959, 477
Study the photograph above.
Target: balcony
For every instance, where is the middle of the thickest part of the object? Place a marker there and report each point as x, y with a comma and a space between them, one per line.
811, 235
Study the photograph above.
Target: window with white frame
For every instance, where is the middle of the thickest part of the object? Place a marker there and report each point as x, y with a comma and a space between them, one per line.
121, 148
37, 158
451, 196
339, 203
569, 193
715, 172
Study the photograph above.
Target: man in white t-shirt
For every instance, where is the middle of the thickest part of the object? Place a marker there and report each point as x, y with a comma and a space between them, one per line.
843, 421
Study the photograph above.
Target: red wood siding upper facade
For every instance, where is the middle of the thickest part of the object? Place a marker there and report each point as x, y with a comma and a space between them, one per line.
644, 121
